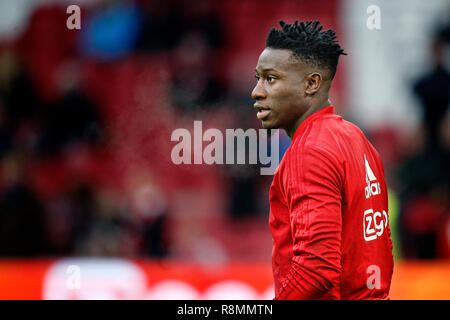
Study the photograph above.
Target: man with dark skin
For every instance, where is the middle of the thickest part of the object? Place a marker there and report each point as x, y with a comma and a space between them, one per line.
328, 199
289, 90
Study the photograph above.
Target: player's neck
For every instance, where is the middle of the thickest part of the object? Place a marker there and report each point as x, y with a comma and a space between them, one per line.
291, 131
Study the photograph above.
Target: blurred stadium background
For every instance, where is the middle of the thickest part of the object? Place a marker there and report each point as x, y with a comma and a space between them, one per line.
91, 206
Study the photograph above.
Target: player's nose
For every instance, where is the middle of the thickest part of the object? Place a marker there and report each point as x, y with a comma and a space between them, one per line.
258, 92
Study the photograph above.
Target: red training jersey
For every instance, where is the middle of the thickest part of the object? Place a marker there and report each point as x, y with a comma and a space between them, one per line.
329, 215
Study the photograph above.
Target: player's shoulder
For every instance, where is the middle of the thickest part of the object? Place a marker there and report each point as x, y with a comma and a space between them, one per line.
330, 135
342, 137
334, 129
337, 123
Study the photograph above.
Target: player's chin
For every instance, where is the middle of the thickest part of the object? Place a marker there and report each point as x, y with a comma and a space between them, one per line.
269, 124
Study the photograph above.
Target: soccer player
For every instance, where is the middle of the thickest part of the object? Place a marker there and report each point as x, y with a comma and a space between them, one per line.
328, 199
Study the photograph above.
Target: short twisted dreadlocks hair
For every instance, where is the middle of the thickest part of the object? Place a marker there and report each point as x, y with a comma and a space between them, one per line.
308, 43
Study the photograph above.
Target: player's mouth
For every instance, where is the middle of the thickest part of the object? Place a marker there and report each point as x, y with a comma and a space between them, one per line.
263, 112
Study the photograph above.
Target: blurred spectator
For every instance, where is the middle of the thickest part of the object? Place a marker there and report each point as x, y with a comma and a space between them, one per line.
243, 198
108, 232
17, 94
433, 90
424, 178
422, 215
148, 210
5, 134
161, 17
70, 214
195, 73
202, 16
23, 228
195, 86
73, 117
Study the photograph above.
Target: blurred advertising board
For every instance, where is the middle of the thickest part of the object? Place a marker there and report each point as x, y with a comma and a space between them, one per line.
116, 278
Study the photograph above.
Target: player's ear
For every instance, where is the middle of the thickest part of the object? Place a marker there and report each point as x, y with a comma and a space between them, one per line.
313, 81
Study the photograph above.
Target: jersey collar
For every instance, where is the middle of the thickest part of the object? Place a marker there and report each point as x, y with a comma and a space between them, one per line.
329, 110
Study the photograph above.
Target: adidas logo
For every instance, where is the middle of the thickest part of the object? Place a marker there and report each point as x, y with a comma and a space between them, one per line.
372, 187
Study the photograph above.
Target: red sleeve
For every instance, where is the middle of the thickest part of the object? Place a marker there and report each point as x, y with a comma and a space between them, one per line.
314, 192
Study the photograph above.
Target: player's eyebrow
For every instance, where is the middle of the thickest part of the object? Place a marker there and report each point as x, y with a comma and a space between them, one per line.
266, 70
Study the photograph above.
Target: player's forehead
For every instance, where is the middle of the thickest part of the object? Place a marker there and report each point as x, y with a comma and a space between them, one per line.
275, 59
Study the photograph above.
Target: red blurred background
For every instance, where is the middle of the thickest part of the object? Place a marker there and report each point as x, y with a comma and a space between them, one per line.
86, 118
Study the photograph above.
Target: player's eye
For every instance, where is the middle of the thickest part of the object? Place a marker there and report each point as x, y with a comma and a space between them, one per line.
270, 79
257, 77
